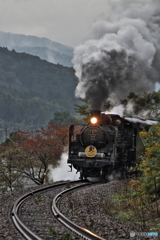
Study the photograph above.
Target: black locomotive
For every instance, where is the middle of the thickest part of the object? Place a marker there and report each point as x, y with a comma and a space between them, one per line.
109, 145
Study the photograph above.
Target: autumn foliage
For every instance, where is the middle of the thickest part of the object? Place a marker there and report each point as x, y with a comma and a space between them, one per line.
150, 164
30, 154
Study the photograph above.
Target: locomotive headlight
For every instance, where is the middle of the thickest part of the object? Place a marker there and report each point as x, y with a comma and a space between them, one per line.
94, 120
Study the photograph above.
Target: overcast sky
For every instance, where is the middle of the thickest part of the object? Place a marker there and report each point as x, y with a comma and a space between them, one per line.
64, 21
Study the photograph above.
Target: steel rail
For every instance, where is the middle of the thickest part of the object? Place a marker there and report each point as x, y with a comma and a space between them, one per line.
82, 232
22, 228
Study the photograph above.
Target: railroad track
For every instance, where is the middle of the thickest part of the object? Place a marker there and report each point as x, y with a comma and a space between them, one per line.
32, 214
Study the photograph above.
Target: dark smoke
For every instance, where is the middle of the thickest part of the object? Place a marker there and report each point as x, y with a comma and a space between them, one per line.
123, 55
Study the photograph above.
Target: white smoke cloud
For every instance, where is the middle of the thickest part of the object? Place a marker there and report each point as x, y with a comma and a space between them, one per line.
119, 110
123, 54
62, 171
129, 108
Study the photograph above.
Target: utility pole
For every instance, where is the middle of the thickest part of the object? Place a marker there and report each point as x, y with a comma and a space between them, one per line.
5, 131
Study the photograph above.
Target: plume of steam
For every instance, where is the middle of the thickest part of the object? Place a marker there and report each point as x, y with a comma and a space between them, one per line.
117, 110
62, 171
123, 54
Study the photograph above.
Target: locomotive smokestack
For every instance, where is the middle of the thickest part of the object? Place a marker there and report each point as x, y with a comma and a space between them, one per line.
95, 113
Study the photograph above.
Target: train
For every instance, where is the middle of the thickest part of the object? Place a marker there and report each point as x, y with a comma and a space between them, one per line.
109, 146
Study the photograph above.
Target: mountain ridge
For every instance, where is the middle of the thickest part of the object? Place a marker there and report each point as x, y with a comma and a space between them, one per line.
33, 89
50, 50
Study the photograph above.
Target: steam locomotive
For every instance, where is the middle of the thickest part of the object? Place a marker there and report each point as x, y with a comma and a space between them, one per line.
108, 146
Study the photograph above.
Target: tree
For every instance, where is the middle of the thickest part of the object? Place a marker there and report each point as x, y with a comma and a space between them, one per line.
150, 164
63, 118
148, 103
10, 178
32, 154
83, 110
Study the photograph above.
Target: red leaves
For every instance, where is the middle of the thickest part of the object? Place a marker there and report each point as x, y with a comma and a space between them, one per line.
32, 153
47, 144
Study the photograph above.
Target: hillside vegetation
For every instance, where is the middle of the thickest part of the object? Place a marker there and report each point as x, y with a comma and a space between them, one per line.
31, 89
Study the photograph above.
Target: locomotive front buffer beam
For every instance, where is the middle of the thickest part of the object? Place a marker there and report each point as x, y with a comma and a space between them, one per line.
90, 162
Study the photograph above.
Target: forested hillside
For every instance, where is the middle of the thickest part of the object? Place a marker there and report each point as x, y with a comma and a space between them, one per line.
31, 89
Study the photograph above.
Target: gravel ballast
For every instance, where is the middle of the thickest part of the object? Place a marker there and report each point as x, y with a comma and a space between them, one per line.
84, 207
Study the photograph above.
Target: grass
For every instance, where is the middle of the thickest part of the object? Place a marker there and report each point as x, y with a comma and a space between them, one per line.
38, 198
52, 232
67, 236
131, 206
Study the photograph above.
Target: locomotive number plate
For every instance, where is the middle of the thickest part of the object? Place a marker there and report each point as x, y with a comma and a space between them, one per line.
93, 132
90, 151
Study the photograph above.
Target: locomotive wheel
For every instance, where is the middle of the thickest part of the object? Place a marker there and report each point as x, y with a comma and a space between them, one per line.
106, 178
81, 175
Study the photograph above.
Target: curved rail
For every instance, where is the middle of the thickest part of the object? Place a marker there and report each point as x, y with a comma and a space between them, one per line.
25, 231
82, 232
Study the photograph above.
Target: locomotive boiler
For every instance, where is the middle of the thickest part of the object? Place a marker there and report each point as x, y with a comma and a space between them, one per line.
109, 145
